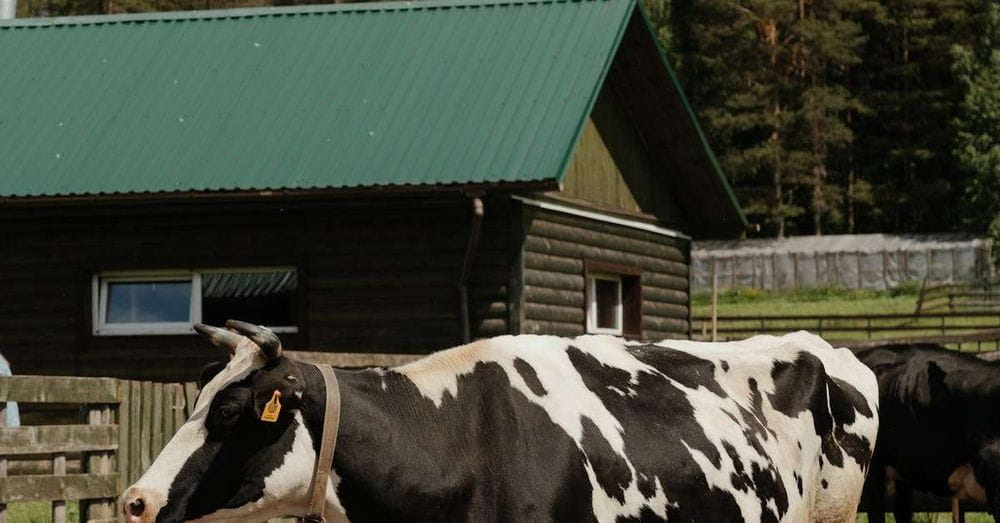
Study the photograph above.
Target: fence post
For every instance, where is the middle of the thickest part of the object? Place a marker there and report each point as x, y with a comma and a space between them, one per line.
715, 302
100, 463
3, 464
920, 295
59, 506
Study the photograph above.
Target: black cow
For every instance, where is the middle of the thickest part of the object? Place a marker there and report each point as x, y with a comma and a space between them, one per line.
939, 427
530, 428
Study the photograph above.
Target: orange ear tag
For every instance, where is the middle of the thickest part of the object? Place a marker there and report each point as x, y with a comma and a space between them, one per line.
272, 408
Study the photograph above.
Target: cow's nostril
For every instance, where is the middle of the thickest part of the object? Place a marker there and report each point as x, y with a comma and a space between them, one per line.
136, 507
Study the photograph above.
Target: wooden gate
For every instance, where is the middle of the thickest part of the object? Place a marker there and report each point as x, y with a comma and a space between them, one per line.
91, 443
118, 428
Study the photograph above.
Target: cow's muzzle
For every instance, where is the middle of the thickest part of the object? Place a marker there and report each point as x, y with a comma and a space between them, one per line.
141, 505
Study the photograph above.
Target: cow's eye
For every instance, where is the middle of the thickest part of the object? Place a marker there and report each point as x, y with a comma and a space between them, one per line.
227, 411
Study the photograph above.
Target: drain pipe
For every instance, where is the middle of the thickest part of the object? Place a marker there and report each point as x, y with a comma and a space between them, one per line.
475, 228
8, 9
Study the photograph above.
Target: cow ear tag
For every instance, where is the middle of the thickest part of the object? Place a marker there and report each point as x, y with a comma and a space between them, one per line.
272, 408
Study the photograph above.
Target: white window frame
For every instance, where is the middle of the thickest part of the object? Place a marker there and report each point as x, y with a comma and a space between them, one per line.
99, 295
592, 327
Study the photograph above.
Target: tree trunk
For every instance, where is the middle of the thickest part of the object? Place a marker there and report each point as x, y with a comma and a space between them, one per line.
850, 199
818, 205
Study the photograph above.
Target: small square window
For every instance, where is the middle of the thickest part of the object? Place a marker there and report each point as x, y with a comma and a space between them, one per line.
605, 307
614, 300
171, 302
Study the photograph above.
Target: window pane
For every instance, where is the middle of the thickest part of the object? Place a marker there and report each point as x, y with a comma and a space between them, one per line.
149, 301
606, 294
263, 298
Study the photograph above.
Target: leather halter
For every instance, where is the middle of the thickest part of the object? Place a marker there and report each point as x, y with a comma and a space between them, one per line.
324, 460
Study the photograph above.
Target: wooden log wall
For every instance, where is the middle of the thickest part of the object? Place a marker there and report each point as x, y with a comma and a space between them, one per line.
556, 249
375, 275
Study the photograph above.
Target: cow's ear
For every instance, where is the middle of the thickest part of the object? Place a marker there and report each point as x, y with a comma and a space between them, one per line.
210, 372
281, 379
937, 389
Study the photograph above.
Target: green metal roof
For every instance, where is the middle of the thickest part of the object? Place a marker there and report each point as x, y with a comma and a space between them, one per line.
392, 94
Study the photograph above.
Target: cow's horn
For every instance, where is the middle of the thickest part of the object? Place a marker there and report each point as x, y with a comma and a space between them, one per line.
268, 342
219, 337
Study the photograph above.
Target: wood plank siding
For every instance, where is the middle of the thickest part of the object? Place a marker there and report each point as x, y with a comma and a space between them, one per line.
375, 275
557, 248
612, 168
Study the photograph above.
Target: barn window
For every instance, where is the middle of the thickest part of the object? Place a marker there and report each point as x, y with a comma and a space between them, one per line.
605, 307
614, 303
171, 302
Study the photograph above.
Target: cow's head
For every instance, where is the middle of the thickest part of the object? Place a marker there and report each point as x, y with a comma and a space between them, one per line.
226, 462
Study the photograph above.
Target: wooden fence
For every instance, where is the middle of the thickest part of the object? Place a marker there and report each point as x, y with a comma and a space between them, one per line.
87, 439
854, 327
980, 296
119, 429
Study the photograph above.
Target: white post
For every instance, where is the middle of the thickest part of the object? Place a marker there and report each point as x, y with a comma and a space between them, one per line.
8, 9
715, 302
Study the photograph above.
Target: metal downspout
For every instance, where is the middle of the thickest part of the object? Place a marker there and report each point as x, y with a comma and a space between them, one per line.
8, 9
475, 228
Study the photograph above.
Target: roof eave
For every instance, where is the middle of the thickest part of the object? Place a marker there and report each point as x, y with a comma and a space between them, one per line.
311, 194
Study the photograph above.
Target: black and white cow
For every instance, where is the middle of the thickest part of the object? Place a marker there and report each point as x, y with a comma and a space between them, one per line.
531, 428
940, 427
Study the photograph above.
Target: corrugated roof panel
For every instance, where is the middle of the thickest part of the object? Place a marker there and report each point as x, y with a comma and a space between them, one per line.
300, 98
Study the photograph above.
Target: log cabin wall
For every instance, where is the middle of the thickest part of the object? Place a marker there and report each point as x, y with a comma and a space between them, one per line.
375, 275
611, 173
557, 248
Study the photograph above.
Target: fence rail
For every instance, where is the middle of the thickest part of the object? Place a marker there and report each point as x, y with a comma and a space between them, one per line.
975, 296
119, 429
852, 327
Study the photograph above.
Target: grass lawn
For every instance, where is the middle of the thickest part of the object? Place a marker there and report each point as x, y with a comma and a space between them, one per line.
940, 517
752, 302
39, 512
749, 304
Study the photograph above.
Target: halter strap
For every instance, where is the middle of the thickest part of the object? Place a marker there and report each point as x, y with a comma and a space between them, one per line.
324, 461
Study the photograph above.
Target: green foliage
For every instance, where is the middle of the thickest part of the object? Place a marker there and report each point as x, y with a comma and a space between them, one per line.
839, 116
977, 145
771, 77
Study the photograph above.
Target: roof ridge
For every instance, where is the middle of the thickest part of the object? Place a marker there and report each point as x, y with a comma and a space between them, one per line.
263, 12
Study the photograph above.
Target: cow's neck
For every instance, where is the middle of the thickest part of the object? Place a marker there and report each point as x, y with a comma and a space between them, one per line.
382, 453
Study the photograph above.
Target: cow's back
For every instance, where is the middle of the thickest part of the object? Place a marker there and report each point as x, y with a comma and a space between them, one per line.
770, 428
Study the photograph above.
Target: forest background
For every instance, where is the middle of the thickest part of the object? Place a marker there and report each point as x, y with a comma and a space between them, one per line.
828, 116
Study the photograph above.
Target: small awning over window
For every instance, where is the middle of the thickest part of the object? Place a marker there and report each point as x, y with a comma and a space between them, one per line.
246, 284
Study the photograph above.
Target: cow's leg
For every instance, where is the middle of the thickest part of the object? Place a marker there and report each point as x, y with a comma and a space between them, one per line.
903, 504
957, 512
874, 493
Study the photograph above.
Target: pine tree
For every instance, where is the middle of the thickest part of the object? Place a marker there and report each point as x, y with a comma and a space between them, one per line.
977, 144
904, 143
769, 78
